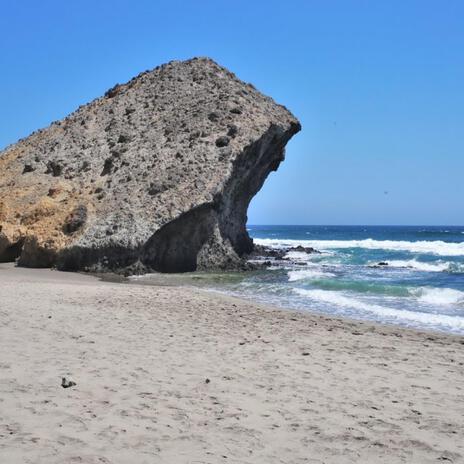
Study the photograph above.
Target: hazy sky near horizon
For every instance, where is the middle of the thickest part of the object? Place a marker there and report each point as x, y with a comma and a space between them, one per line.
377, 86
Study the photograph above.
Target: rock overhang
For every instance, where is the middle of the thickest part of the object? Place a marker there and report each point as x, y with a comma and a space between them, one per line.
180, 149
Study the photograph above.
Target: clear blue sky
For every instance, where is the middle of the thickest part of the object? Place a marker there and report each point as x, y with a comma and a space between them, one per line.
377, 86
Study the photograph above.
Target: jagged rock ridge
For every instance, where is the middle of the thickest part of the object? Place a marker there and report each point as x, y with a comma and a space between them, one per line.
155, 175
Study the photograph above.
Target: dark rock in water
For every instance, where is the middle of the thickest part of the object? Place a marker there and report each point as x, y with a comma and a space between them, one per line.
303, 249
155, 175
380, 264
260, 251
278, 254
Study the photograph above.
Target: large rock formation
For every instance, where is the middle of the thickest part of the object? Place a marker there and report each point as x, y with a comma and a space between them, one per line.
155, 175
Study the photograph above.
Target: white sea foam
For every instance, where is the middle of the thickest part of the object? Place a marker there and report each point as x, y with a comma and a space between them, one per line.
301, 257
335, 298
298, 256
142, 276
439, 266
437, 247
439, 296
302, 274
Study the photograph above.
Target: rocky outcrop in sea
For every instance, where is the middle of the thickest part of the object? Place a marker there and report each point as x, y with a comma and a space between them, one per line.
156, 175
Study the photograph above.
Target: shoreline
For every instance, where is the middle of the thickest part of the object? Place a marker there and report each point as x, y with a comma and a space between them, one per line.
110, 278
162, 280
182, 374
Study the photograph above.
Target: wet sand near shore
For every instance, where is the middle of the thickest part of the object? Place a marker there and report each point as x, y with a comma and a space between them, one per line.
172, 374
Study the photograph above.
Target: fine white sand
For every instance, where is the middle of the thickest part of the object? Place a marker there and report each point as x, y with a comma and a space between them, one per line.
284, 386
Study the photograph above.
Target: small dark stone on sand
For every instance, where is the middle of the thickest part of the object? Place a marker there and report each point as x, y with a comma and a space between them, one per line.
207, 381
67, 383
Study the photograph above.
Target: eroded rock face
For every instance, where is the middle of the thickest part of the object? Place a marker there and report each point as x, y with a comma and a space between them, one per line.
155, 175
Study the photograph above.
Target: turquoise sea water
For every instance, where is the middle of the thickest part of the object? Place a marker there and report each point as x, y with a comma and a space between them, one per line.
422, 286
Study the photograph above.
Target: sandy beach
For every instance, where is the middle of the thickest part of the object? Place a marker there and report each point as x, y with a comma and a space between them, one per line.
179, 375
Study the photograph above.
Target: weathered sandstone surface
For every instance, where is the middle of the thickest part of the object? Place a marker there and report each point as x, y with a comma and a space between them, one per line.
155, 175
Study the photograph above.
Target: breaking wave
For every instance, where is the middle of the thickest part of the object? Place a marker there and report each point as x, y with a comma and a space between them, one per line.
436, 247
439, 296
438, 266
384, 312
303, 274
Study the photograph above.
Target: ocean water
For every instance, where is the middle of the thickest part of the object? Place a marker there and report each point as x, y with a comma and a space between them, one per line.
422, 286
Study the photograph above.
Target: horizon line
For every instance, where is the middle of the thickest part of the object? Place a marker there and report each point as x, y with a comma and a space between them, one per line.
355, 225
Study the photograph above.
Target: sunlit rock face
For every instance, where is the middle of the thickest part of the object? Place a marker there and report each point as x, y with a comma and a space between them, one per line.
155, 175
